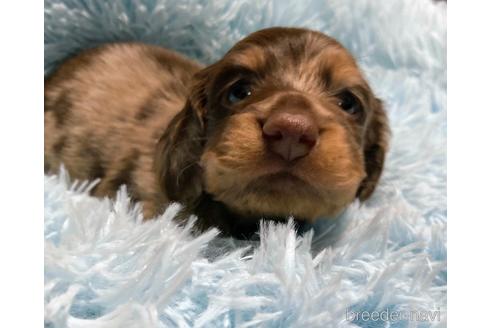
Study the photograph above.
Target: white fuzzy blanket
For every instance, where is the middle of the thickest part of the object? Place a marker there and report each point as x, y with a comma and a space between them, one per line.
104, 268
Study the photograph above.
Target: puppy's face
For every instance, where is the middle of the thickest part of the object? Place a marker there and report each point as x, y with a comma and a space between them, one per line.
284, 124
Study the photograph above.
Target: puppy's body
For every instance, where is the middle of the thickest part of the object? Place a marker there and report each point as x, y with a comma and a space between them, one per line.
105, 110
284, 124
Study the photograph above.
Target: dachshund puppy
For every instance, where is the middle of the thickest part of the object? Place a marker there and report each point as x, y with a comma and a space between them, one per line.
283, 125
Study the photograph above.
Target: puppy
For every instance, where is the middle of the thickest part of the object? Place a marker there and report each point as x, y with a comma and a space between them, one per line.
283, 125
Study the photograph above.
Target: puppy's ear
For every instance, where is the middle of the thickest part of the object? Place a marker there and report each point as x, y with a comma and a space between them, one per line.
179, 149
375, 148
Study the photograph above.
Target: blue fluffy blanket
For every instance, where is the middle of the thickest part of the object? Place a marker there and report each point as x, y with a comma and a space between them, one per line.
385, 258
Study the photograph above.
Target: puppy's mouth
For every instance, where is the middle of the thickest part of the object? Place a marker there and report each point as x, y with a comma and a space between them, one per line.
279, 183
282, 179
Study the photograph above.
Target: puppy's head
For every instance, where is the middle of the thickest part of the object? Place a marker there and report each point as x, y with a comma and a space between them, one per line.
284, 124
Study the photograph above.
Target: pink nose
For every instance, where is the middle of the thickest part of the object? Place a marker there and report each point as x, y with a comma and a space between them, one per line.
290, 135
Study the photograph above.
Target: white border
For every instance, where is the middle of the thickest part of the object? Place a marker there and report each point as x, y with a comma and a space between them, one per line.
21, 110
469, 163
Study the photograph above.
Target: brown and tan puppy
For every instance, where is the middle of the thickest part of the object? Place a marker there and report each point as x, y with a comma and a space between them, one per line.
284, 124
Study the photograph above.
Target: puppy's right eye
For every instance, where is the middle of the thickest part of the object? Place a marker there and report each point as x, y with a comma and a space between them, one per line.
349, 103
238, 92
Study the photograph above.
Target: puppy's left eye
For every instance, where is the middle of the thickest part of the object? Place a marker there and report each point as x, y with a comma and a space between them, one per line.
349, 103
238, 92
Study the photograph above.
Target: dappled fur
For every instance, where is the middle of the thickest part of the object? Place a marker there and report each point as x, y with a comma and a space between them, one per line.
148, 118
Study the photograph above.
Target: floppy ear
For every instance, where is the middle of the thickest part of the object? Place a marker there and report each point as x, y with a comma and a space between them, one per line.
375, 148
179, 149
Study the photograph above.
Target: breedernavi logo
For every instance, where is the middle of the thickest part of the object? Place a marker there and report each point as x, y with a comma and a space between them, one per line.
387, 315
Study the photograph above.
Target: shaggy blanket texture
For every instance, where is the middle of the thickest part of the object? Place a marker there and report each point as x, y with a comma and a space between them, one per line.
104, 268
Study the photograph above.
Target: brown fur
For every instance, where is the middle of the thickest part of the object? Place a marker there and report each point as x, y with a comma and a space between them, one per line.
106, 108
146, 117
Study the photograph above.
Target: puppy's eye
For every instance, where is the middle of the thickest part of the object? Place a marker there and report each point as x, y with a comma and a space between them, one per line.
238, 92
349, 103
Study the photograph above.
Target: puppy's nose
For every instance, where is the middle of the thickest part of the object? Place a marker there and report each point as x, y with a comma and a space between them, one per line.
290, 135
